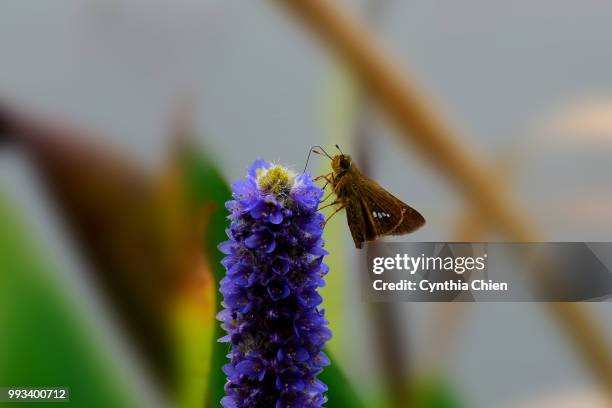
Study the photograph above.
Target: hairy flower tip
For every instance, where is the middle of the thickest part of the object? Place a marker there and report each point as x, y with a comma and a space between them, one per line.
272, 313
276, 180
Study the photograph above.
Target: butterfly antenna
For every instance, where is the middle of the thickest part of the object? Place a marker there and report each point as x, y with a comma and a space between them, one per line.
338, 147
312, 150
323, 150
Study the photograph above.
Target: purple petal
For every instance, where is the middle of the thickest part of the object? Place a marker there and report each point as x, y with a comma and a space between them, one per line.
228, 402
257, 164
227, 247
276, 217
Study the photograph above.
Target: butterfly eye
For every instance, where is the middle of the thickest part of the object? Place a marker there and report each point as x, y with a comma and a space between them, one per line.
345, 163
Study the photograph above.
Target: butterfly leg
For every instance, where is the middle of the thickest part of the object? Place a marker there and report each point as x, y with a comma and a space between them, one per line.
329, 205
323, 176
331, 193
332, 214
329, 179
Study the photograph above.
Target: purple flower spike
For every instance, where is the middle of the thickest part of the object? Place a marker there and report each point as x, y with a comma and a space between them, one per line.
272, 317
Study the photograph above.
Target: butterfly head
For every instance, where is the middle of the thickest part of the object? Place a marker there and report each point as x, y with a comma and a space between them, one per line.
342, 163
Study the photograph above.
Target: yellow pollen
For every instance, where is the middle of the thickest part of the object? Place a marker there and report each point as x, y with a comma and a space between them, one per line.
276, 180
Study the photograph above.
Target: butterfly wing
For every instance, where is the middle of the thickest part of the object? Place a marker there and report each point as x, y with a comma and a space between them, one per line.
357, 221
361, 227
386, 214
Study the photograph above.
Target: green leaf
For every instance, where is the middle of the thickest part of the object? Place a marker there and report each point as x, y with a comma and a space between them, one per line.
47, 339
435, 393
341, 393
207, 186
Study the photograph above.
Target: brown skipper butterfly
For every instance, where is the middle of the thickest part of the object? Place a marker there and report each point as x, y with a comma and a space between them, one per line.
371, 211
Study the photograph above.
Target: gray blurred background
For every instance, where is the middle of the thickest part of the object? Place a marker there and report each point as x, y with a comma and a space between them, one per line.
528, 82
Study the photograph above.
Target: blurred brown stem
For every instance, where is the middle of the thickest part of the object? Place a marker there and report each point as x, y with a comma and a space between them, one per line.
420, 125
387, 320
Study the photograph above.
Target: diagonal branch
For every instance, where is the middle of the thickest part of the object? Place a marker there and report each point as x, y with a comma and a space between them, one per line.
423, 128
